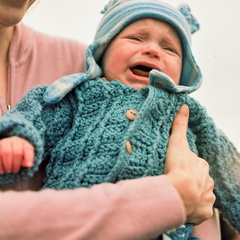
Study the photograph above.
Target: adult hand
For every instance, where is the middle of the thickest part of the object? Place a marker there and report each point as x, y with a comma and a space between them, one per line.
188, 173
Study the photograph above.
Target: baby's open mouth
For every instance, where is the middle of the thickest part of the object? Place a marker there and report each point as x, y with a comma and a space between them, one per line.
141, 70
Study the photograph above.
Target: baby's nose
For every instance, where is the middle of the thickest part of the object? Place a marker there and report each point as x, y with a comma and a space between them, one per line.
152, 52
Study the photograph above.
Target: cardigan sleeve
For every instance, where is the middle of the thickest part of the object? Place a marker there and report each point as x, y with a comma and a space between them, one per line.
224, 160
38, 123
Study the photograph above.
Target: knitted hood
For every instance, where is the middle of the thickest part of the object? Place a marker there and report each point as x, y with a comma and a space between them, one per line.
117, 15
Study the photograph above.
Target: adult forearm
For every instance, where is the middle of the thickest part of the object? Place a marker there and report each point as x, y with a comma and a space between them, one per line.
133, 209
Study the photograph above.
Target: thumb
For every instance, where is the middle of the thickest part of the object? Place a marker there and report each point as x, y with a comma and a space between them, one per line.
180, 123
178, 147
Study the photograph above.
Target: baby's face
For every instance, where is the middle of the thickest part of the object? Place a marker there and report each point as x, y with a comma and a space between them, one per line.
143, 45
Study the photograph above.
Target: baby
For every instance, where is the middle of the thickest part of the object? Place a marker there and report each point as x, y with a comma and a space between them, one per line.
113, 122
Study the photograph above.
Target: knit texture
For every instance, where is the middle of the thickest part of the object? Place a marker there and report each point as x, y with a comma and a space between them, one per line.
117, 15
84, 134
84, 138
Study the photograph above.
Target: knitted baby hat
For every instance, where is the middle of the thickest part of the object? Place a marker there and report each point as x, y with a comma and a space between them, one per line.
117, 15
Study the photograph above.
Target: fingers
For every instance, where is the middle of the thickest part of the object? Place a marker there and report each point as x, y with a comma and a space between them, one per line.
1, 165
188, 173
6, 156
28, 155
200, 199
205, 209
1, 162
14, 153
16, 157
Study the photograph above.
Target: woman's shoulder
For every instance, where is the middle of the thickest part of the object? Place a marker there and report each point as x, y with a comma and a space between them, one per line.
48, 40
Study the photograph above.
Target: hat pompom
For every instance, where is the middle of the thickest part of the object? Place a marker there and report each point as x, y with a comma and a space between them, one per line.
109, 5
117, 15
192, 21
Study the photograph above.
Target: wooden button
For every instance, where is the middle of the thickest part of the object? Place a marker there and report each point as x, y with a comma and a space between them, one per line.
128, 147
104, 79
131, 114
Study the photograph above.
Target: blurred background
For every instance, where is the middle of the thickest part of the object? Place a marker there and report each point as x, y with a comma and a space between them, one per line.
216, 47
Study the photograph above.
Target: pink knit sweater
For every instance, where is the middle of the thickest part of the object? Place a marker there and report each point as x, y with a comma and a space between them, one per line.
36, 58
131, 209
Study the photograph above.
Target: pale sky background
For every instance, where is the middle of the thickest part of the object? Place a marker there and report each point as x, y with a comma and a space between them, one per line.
216, 47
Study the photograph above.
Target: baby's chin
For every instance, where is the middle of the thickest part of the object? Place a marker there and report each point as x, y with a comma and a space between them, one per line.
137, 84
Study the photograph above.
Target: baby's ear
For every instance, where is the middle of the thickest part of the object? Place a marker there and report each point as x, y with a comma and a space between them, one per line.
192, 21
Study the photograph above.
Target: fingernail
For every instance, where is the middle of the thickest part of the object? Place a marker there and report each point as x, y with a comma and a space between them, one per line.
28, 164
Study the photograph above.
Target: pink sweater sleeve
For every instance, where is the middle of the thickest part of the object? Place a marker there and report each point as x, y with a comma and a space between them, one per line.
132, 209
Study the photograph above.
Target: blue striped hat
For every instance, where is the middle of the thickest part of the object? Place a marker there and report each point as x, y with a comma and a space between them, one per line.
117, 15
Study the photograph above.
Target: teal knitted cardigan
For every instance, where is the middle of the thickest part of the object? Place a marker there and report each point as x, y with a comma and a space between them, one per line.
84, 135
